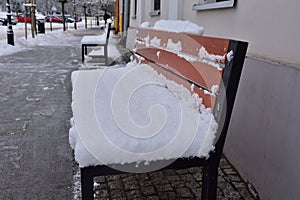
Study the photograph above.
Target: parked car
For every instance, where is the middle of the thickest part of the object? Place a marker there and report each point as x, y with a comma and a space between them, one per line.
69, 18
78, 18
54, 18
4, 20
39, 18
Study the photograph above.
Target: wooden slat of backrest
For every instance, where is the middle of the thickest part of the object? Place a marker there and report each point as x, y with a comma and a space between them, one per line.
157, 46
191, 44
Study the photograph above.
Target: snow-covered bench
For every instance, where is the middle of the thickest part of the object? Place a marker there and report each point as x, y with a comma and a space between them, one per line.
169, 108
95, 40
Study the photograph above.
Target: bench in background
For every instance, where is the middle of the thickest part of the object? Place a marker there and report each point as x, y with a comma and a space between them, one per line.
98, 40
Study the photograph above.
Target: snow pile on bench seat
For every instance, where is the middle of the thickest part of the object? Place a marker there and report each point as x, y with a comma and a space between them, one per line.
105, 107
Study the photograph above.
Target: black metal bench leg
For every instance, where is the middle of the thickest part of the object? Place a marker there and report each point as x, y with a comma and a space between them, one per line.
87, 185
82, 53
210, 181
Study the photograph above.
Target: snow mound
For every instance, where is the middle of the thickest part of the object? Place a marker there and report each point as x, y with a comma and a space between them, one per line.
132, 114
145, 25
179, 26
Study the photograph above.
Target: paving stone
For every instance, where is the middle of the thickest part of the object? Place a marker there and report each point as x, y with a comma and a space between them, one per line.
229, 171
198, 176
101, 186
196, 191
173, 178
224, 164
182, 171
167, 195
177, 184
117, 194
147, 191
102, 193
187, 177
133, 194
192, 184
131, 185
113, 178
234, 178
115, 185
194, 170
100, 179
246, 194
184, 193
239, 185
152, 198
163, 188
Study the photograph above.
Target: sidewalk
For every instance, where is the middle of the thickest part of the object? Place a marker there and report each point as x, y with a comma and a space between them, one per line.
36, 160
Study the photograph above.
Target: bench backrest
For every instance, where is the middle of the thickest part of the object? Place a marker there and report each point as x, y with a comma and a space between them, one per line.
212, 66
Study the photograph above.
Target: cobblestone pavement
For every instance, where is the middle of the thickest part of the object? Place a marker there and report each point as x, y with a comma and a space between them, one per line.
168, 185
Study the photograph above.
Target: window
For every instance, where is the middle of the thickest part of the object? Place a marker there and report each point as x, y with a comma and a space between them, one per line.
213, 4
156, 4
155, 8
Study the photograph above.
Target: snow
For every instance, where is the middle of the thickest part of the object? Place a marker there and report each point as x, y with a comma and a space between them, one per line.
137, 116
179, 26
176, 47
94, 39
50, 38
145, 25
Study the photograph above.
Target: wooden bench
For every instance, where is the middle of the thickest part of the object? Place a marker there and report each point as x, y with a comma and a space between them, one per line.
98, 40
193, 61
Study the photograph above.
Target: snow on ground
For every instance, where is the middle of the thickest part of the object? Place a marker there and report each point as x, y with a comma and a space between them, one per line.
50, 38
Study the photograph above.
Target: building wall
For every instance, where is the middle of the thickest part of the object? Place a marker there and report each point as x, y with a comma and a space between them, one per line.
263, 141
269, 26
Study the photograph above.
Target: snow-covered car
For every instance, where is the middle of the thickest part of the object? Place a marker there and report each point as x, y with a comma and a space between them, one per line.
69, 18
4, 20
40, 18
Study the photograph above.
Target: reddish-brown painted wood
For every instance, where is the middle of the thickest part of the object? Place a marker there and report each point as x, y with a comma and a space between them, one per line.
152, 44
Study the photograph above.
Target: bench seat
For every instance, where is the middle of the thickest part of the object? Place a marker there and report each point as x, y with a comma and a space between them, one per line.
94, 39
179, 126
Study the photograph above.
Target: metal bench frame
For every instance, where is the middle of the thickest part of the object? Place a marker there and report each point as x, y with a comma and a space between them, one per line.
231, 76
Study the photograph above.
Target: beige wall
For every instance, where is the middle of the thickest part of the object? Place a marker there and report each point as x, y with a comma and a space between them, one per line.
263, 140
270, 26
144, 8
